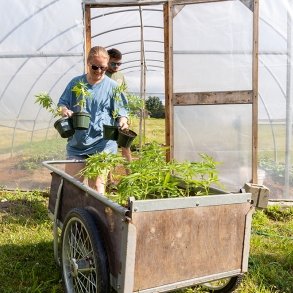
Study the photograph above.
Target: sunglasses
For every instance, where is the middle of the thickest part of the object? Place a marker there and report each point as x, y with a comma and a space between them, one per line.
115, 63
94, 67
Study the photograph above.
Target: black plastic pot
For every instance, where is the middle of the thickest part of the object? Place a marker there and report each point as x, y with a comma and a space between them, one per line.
125, 137
64, 127
81, 120
110, 132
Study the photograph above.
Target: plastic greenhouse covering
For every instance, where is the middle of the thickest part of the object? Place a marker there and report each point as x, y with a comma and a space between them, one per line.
42, 46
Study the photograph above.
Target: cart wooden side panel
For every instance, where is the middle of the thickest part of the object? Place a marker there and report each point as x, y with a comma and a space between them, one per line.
109, 224
188, 243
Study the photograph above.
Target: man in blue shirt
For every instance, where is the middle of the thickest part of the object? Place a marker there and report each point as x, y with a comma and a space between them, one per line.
100, 106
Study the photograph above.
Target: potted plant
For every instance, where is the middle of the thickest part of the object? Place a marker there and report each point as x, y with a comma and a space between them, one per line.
81, 119
124, 137
64, 124
151, 176
110, 132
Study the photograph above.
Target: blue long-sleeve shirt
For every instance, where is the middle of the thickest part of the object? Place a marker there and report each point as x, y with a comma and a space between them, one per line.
100, 106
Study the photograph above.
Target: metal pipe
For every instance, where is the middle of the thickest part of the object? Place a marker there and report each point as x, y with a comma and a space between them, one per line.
40, 54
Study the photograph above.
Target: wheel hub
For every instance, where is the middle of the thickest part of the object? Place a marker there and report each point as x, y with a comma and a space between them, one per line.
81, 265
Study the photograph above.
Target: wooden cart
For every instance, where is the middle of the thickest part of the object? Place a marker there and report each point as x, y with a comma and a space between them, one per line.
151, 245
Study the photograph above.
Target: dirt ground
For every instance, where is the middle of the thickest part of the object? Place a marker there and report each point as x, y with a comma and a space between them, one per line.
12, 176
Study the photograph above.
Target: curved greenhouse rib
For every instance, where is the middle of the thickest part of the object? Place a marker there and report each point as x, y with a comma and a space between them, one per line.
139, 66
147, 51
131, 71
54, 84
27, 95
14, 76
52, 87
274, 29
134, 41
136, 60
126, 10
126, 27
273, 76
272, 129
26, 19
22, 65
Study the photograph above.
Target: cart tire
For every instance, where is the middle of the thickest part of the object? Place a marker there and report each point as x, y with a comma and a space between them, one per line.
83, 258
224, 285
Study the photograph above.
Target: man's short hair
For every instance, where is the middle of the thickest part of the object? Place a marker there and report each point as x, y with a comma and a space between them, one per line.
114, 53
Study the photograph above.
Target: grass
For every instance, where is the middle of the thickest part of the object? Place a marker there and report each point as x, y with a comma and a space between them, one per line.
27, 262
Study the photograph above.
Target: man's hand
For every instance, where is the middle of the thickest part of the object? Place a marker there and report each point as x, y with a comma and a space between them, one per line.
123, 123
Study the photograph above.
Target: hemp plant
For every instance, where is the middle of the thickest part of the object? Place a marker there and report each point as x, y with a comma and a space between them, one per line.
117, 98
151, 176
134, 106
44, 100
100, 164
82, 94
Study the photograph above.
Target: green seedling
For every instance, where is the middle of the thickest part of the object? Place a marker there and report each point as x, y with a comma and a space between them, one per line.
44, 100
82, 94
151, 176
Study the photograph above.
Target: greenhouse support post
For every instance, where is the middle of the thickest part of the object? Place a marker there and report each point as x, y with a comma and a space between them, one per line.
288, 106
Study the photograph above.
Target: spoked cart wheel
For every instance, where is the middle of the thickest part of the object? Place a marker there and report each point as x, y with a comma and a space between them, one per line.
226, 285
83, 257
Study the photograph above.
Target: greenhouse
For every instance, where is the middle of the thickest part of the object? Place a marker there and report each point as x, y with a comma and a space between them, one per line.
179, 177
222, 69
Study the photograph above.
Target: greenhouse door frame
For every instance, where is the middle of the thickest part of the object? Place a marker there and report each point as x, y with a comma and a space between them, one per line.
173, 99
211, 98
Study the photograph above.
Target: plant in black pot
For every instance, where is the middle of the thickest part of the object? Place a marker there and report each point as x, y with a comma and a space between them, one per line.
81, 119
64, 124
110, 132
124, 137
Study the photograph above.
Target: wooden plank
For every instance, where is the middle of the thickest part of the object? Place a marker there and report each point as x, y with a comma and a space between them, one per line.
212, 98
182, 244
255, 92
246, 244
168, 47
88, 33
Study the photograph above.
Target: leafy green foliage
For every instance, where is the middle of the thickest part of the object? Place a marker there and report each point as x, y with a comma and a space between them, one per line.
276, 170
117, 97
135, 104
155, 106
44, 100
82, 94
151, 176
100, 164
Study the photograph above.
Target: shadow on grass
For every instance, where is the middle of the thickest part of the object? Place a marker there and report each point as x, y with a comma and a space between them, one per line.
28, 211
29, 268
274, 272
